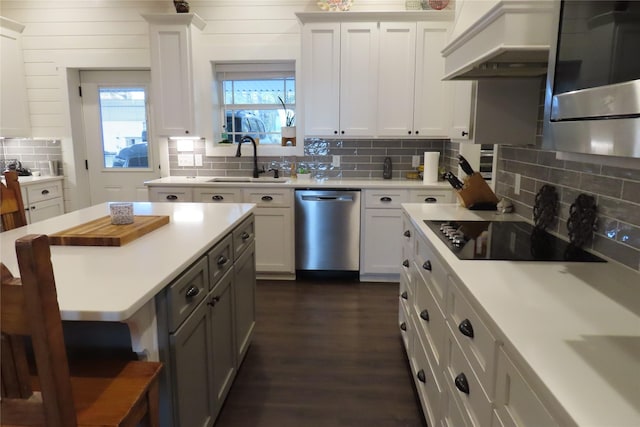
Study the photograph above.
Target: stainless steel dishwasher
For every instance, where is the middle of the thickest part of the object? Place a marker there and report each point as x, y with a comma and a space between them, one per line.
327, 230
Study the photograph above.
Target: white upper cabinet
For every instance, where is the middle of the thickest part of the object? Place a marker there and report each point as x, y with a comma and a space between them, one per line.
173, 39
387, 74
340, 74
14, 113
412, 99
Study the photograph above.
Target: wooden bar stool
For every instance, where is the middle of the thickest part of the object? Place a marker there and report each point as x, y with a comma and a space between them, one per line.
91, 393
11, 204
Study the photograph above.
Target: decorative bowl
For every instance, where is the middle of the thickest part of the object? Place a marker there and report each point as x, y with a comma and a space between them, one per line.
335, 5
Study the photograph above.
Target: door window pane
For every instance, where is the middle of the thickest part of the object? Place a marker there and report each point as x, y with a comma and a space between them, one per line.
123, 116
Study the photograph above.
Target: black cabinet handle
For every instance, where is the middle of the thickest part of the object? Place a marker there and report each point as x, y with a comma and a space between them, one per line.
342, 132
222, 260
385, 199
404, 295
267, 198
462, 384
430, 200
408, 132
417, 132
335, 132
244, 235
44, 192
466, 328
403, 326
217, 198
172, 197
407, 233
421, 376
213, 301
424, 315
192, 291
427, 265
405, 263
465, 133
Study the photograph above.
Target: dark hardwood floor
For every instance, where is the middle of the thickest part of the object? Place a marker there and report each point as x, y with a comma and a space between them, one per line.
325, 353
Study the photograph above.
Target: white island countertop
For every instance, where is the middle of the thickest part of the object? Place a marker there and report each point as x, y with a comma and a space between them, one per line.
266, 181
112, 283
575, 327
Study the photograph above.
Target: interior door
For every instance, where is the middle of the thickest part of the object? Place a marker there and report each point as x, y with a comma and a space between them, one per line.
121, 154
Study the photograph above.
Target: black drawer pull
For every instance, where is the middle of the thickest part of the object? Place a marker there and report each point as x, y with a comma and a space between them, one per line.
192, 291
385, 199
462, 384
267, 198
222, 260
421, 376
213, 301
404, 295
407, 233
424, 315
245, 235
430, 200
44, 192
172, 197
217, 198
405, 263
403, 326
465, 133
427, 265
466, 328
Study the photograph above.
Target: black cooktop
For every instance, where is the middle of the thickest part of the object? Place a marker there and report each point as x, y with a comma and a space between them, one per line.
508, 241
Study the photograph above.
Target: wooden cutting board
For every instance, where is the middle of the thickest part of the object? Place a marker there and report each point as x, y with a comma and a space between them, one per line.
100, 232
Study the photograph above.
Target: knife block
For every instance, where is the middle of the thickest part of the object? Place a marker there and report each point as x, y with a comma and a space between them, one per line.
476, 190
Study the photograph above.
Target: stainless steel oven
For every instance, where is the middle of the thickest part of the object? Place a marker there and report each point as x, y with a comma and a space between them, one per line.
592, 99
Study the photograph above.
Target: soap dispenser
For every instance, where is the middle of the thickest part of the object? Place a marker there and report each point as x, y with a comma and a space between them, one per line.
387, 169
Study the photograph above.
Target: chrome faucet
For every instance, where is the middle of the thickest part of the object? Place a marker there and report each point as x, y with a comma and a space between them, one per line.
247, 138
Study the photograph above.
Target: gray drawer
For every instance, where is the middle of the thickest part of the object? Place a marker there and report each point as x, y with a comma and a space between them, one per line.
187, 291
243, 235
220, 260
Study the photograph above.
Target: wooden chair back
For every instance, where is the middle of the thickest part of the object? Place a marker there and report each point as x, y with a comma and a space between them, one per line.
11, 204
30, 308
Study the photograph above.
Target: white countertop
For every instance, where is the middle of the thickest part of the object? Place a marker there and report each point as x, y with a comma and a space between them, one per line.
112, 283
575, 325
193, 181
28, 180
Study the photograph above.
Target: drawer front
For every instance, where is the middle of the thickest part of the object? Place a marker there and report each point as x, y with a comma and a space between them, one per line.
452, 413
170, 194
432, 270
243, 235
476, 341
427, 383
405, 285
466, 386
269, 197
187, 291
44, 191
430, 196
516, 403
220, 260
385, 198
405, 326
408, 237
431, 321
217, 195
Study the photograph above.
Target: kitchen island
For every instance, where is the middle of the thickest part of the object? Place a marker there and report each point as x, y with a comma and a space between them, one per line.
187, 287
552, 343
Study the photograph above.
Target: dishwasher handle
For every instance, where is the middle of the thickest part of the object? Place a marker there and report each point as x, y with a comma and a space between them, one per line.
339, 198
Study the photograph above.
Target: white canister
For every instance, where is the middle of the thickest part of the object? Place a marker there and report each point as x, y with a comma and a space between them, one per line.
121, 213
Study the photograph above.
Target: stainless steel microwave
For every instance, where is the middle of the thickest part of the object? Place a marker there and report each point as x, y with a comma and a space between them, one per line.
592, 98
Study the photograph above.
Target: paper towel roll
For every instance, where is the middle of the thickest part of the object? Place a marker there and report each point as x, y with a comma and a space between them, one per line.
430, 173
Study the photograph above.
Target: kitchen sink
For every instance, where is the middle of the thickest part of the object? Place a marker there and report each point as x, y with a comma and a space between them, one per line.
265, 180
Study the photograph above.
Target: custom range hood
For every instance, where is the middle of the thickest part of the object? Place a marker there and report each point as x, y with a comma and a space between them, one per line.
492, 39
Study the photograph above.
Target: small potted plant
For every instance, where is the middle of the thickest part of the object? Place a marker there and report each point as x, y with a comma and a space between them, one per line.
289, 130
303, 174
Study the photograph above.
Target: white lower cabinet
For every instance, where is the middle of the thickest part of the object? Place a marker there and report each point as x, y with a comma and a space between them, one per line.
42, 200
170, 194
381, 249
463, 374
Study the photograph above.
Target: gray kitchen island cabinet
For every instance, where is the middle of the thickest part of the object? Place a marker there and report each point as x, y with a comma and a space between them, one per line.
205, 322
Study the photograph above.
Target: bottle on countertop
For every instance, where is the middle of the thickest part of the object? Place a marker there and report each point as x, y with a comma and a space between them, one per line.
387, 169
